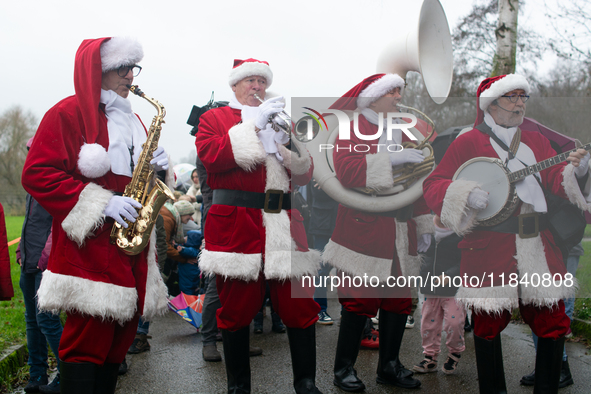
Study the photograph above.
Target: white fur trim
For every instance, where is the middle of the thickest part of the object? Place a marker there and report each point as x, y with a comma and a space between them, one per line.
355, 263
87, 215
276, 175
455, 214
247, 148
93, 161
298, 164
66, 293
156, 300
231, 265
493, 300
120, 51
379, 88
497, 89
424, 224
378, 175
249, 69
409, 265
572, 190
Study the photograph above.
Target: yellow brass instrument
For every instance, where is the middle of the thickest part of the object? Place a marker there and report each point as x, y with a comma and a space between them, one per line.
133, 239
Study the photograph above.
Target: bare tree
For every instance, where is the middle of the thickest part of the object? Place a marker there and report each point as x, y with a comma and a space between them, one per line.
16, 127
571, 23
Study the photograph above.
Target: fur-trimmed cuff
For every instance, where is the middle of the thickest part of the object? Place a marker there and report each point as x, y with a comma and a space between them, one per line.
379, 171
424, 224
87, 215
102, 300
156, 300
298, 164
291, 265
572, 189
455, 213
231, 265
355, 263
247, 148
492, 300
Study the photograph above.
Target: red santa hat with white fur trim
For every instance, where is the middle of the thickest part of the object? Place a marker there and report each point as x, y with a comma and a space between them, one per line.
368, 91
120, 51
250, 67
492, 88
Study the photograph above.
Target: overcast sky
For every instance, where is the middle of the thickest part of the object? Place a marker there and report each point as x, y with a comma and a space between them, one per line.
315, 48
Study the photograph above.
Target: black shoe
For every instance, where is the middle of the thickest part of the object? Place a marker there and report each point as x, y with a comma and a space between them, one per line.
53, 387
139, 344
254, 351
123, 368
390, 369
348, 343
528, 380
258, 323
277, 326
35, 383
210, 353
566, 379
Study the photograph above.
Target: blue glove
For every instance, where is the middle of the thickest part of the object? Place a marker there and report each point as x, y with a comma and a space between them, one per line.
160, 160
120, 207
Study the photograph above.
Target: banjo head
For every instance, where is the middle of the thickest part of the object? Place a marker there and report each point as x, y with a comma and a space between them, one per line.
491, 175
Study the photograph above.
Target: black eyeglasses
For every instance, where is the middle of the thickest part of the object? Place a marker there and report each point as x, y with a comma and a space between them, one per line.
124, 70
514, 97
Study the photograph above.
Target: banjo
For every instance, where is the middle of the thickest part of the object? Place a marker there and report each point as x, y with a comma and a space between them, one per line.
500, 183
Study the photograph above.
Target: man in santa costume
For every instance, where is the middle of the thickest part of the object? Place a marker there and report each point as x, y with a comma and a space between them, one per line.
375, 244
495, 253
81, 159
247, 232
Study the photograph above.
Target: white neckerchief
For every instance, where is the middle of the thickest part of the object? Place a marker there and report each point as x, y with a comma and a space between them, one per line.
251, 113
528, 189
125, 131
372, 117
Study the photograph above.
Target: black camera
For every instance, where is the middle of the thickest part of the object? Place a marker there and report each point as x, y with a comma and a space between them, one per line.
196, 113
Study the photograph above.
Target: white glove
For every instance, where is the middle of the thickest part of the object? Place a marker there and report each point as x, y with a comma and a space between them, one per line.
267, 137
120, 207
160, 160
267, 110
281, 138
583, 167
406, 156
423, 243
478, 199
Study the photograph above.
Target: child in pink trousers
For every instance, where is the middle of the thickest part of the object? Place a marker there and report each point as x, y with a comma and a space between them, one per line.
440, 309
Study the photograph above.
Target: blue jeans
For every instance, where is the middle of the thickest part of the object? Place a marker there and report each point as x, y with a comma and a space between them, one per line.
143, 327
41, 327
320, 292
189, 278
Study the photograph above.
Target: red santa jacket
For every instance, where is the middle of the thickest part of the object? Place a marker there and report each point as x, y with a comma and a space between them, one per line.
366, 243
485, 252
6, 290
68, 172
237, 238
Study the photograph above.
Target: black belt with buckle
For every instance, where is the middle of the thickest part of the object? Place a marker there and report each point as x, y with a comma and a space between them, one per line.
527, 225
273, 201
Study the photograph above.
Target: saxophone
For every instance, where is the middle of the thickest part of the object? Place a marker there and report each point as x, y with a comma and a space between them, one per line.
133, 239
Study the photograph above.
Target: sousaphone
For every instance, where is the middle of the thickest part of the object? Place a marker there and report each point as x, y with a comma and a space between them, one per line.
426, 49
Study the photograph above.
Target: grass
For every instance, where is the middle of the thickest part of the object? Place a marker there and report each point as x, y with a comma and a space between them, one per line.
12, 313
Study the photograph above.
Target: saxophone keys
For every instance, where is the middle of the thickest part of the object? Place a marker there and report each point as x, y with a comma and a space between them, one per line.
141, 226
122, 243
146, 212
137, 240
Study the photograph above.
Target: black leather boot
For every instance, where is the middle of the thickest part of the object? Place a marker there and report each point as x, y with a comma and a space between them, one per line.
548, 365
566, 379
390, 369
350, 332
106, 378
302, 343
77, 378
236, 355
489, 363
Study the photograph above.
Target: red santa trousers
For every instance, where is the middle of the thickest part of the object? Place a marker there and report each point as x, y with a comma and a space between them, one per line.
242, 300
545, 322
367, 300
86, 339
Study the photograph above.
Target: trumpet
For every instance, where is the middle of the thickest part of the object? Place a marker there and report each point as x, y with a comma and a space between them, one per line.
284, 116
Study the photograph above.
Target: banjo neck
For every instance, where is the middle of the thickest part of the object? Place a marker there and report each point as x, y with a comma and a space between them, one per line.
542, 165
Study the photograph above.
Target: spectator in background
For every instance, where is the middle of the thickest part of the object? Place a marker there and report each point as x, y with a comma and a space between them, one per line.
6, 290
